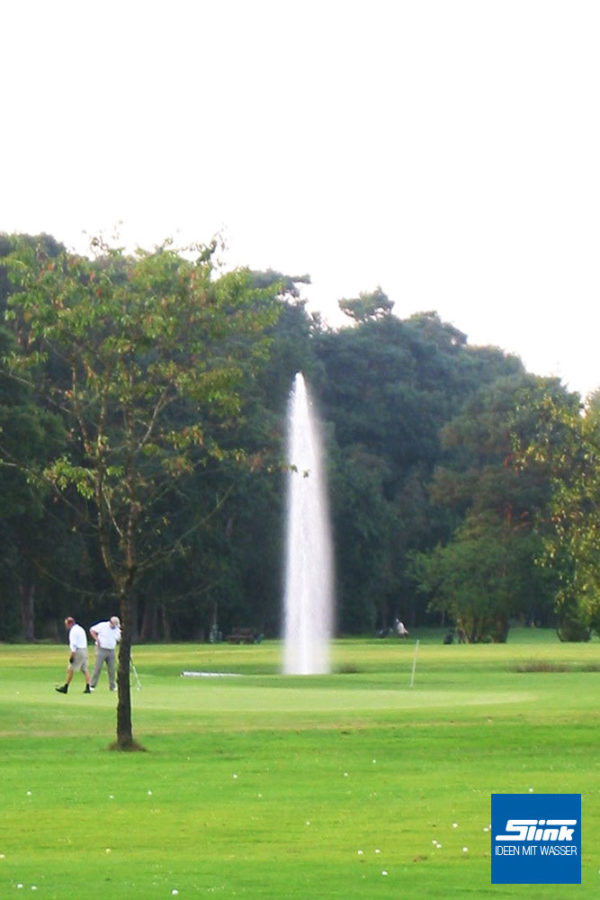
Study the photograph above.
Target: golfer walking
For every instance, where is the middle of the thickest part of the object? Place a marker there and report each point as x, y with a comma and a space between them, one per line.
106, 635
78, 655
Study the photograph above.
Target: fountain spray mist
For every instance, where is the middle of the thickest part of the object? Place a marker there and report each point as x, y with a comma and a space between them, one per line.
308, 598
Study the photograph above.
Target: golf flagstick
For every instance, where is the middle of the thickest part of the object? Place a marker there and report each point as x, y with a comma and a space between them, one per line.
414, 665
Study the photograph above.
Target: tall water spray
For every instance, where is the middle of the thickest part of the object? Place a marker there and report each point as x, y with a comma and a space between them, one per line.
308, 596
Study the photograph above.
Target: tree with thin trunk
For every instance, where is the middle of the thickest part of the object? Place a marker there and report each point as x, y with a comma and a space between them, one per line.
143, 356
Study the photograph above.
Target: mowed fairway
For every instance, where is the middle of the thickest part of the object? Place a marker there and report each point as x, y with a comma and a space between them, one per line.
353, 785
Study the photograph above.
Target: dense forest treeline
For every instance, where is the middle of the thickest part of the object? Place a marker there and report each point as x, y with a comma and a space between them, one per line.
142, 429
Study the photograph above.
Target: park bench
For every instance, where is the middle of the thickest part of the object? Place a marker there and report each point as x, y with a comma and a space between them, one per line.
244, 636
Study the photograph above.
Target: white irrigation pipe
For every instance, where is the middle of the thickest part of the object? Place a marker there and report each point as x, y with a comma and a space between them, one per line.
414, 665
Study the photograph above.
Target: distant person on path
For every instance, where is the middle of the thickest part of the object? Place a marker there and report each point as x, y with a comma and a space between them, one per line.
78, 655
400, 629
106, 636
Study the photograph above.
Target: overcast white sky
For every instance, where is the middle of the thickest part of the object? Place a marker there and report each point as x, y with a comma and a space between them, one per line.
447, 150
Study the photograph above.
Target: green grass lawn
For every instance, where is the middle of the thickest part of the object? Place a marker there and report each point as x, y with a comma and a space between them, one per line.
255, 784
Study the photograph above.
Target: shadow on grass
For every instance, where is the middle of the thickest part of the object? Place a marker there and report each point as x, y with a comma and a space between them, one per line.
132, 747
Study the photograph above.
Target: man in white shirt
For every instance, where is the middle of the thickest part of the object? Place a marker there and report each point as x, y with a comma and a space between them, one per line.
106, 635
78, 655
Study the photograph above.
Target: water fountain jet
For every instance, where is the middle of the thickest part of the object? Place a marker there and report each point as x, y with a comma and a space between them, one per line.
308, 593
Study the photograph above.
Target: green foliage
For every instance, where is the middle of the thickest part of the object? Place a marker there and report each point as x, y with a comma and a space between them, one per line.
154, 350
486, 573
482, 577
363, 524
367, 306
29, 436
388, 387
567, 445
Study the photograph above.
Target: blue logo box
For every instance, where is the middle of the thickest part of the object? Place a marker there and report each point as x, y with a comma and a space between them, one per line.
536, 838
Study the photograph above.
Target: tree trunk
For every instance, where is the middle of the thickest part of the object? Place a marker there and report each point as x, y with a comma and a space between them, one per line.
27, 595
166, 624
149, 622
125, 739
